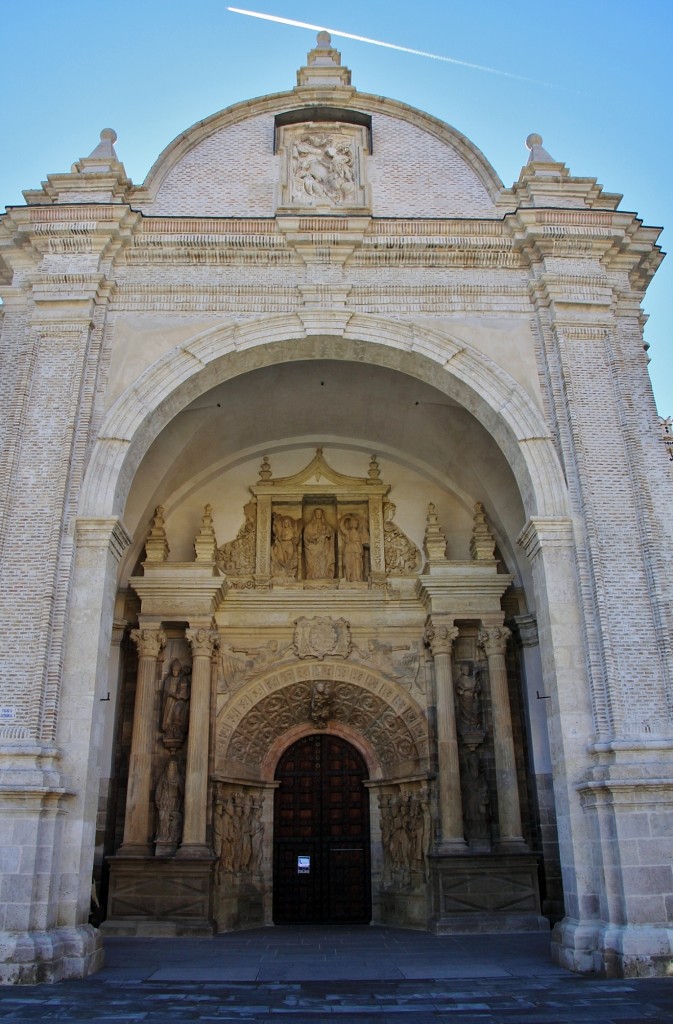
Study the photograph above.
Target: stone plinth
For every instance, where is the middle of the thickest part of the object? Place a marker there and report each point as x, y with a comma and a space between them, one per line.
489, 893
153, 896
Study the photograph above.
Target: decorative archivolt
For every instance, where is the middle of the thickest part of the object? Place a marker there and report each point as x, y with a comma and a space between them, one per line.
350, 697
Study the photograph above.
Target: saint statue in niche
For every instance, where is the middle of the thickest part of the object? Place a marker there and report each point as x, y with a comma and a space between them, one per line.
175, 717
285, 547
319, 547
168, 800
355, 536
468, 691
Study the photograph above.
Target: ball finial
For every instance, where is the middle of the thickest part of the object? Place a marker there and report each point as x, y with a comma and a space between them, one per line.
324, 39
533, 140
109, 133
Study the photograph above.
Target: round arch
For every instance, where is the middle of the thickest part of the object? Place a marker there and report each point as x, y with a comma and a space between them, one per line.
454, 368
374, 713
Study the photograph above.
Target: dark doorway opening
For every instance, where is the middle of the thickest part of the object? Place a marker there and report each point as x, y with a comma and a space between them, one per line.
321, 834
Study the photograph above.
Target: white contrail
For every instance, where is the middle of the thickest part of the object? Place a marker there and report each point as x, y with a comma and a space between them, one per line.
379, 42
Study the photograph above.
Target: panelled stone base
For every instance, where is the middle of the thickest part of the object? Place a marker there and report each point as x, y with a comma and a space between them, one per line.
246, 907
157, 896
30, 958
629, 951
485, 893
404, 910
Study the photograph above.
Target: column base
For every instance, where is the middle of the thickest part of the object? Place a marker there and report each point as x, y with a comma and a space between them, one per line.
512, 844
160, 896
451, 848
195, 851
135, 850
485, 893
32, 958
617, 951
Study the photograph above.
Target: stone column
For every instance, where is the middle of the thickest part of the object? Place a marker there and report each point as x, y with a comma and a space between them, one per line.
203, 642
493, 639
440, 637
137, 837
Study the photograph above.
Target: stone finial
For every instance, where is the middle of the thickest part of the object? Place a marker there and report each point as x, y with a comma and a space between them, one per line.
323, 65
434, 542
374, 472
156, 545
265, 469
538, 154
482, 544
205, 544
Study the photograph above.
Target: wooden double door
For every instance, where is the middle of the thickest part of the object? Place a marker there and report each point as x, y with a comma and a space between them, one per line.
321, 834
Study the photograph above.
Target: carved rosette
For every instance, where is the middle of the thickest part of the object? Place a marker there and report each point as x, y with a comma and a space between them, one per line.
150, 642
322, 637
493, 640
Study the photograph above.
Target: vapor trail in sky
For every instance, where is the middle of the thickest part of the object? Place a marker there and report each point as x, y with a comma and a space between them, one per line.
379, 42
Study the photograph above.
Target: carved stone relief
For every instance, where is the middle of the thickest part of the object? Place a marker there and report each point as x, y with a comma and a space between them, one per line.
285, 547
353, 529
237, 557
405, 836
343, 702
319, 550
322, 165
238, 834
402, 557
320, 637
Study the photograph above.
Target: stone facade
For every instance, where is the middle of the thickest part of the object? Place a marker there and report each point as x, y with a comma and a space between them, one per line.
321, 430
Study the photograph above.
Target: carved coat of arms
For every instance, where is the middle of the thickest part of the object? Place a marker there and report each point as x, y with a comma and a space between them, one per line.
322, 637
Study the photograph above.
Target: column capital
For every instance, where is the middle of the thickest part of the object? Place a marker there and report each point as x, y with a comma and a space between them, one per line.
150, 642
439, 636
493, 639
202, 641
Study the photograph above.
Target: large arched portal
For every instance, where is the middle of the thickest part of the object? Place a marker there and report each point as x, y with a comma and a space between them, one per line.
321, 856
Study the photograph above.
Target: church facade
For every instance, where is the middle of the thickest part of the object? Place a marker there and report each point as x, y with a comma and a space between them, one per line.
334, 548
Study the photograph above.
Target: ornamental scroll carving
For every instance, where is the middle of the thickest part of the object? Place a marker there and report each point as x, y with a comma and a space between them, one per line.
321, 637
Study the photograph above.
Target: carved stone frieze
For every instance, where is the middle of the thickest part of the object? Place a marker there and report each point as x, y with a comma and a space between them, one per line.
238, 834
321, 637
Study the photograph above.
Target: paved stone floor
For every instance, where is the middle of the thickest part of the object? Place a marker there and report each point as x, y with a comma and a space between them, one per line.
364, 975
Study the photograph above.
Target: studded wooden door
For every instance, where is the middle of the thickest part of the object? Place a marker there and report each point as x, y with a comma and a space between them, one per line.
321, 834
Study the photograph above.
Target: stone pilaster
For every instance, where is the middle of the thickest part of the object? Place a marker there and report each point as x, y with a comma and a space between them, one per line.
137, 837
203, 643
493, 640
440, 636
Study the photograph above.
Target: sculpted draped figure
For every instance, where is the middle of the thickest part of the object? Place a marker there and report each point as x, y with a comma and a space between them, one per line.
175, 718
319, 547
355, 536
285, 547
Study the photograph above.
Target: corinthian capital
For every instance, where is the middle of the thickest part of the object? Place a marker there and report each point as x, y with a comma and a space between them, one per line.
150, 642
202, 641
439, 637
493, 639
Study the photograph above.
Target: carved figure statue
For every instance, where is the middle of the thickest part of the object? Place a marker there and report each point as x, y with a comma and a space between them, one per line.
355, 536
476, 802
168, 798
175, 716
237, 557
468, 692
321, 704
401, 554
319, 547
285, 547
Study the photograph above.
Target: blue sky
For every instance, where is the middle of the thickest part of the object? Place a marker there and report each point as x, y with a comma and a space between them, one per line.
150, 70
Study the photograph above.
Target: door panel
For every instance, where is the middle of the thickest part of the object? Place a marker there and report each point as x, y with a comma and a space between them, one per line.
321, 813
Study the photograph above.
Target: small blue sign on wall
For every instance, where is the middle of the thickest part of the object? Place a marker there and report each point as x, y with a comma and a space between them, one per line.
303, 865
